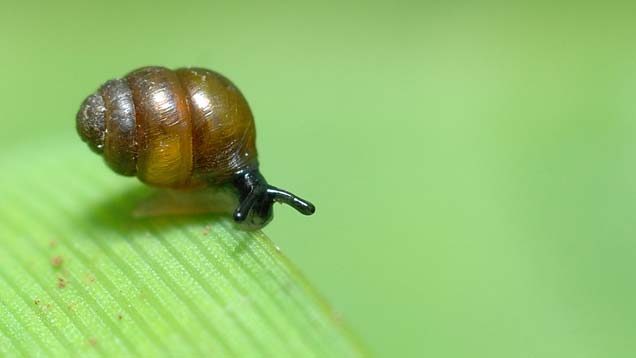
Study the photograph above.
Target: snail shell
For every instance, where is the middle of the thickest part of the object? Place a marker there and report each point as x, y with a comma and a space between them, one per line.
173, 129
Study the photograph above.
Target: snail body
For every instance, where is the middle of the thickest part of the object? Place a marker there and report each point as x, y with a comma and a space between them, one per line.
182, 129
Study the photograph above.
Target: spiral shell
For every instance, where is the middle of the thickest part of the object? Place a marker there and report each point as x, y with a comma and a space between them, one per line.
175, 129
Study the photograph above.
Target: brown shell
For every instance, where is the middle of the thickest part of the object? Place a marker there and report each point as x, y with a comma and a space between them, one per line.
175, 129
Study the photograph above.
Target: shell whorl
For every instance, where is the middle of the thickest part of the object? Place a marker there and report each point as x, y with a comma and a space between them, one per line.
106, 121
90, 122
120, 143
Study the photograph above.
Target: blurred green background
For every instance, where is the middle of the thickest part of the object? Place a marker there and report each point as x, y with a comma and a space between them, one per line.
472, 162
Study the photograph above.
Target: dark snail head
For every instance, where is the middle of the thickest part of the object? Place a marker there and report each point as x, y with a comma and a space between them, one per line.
256, 200
182, 129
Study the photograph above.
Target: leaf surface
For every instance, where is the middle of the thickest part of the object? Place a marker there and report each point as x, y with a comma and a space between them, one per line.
80, 275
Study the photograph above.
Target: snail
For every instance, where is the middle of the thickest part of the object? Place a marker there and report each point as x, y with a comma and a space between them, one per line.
183, 129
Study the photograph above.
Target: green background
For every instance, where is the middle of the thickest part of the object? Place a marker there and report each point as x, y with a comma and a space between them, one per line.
472, 162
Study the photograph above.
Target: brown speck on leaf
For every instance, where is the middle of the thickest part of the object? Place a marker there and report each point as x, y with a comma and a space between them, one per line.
61, 282
119, 316
53, 243
57, 261
92, 341
36, 301
90, 278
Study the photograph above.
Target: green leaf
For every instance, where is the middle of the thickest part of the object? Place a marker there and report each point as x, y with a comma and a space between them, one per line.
79, 275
